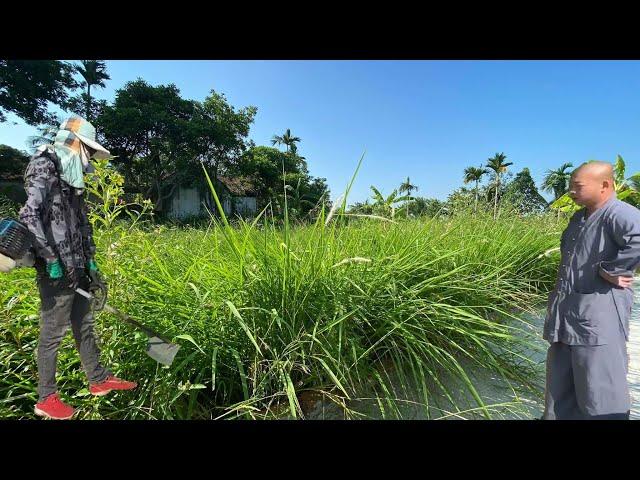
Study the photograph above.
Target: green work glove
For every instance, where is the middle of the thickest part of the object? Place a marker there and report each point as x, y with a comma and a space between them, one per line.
94, 275
54, 269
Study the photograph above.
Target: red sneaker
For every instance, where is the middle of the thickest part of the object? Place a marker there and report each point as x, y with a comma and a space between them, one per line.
54, 408
111, 383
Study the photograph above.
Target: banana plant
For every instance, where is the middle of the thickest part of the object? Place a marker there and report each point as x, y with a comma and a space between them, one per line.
298, 200
624, 188
386, 206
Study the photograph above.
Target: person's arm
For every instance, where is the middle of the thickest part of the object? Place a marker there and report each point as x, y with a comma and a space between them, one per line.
38, 179
624, 227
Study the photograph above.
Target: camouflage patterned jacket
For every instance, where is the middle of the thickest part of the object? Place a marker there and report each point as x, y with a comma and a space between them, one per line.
57, 216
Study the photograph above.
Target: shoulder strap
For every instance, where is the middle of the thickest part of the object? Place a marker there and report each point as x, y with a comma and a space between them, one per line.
54, 158
51, 155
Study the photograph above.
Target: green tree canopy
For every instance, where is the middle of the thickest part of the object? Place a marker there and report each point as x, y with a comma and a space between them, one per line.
13, 162
264, 165
148, 130
523, 195
429, 207
28, 86
219, 132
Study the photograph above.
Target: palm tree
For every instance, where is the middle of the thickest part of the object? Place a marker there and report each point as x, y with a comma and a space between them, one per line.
557, 181
287, 139
474, 174
498, 165
407, 187
94, 72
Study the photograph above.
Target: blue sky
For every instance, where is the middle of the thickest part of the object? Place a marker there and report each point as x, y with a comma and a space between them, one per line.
424, 119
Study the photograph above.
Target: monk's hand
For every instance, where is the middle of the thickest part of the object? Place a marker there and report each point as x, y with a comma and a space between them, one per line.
617, 280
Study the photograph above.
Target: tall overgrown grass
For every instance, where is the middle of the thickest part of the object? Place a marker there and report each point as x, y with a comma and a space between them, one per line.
347, 308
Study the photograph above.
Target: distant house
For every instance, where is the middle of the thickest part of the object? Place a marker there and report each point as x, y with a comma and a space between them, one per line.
237, 196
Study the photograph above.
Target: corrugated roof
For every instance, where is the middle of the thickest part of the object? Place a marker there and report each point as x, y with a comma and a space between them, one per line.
238, 186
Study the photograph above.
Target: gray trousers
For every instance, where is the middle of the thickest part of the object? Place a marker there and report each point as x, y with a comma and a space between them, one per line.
587, 382
61, 307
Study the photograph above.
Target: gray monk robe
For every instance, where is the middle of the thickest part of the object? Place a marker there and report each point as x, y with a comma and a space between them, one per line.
587, 321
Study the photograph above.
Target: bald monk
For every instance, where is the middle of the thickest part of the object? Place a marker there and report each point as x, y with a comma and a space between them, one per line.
587, 321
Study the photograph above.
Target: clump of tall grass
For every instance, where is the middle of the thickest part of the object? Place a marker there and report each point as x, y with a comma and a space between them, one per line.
266, 313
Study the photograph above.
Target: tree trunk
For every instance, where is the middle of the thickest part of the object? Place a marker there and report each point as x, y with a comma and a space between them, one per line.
162, 198
159, 193
149, 192
495, 207
171, 192
408, 200
215, 184
215, 170
475, 205
158, 180
88, 100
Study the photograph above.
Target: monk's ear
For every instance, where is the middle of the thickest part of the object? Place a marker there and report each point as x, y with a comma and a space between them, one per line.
607, 184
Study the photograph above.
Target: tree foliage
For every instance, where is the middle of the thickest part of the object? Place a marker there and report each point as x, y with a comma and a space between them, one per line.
28, 86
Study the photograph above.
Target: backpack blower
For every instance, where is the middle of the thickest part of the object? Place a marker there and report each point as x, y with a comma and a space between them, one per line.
16, 251
15, 244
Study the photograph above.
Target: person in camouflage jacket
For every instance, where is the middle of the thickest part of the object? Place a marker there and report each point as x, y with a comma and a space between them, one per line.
56, 214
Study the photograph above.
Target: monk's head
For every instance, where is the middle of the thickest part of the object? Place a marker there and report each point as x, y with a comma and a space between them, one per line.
591, 183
